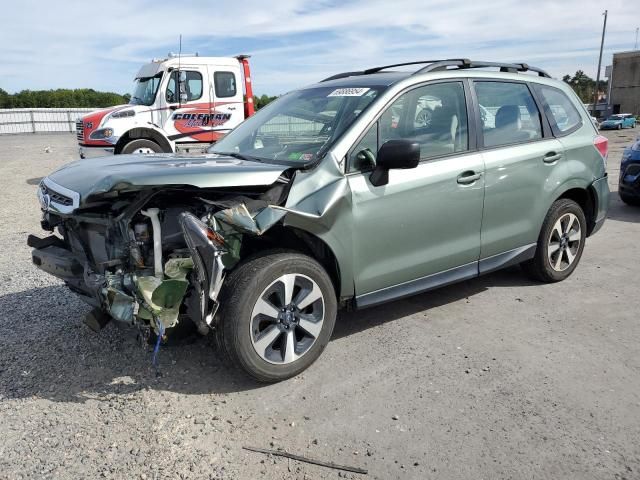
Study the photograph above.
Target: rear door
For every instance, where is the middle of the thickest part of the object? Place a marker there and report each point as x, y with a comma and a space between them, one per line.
520, 155
186, 115
426, 220
227, 108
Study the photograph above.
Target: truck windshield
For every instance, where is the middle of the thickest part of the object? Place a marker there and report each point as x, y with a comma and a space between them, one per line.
145, 89
300, 126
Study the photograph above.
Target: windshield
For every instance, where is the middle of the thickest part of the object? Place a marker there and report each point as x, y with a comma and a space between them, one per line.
615, 117
145, 89
299, 127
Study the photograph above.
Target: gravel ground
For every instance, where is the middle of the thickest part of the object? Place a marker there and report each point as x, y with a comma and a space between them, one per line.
493, 378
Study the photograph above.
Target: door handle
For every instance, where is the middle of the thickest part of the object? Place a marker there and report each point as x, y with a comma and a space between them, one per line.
465, 178
551, 157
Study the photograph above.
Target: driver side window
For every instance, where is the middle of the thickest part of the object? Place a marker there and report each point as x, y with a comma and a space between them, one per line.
193, 87
434, 116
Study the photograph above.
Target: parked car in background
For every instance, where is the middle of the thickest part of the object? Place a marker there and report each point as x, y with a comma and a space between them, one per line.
629, 183
619, 121
345, 193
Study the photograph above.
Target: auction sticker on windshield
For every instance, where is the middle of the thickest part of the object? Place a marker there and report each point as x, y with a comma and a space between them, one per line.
348, 92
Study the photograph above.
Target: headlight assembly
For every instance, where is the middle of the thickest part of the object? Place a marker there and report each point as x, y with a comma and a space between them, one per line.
102, 134
123, 114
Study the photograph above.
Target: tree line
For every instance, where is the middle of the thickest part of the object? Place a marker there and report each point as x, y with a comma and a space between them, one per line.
78, 98
582, 84
585, 86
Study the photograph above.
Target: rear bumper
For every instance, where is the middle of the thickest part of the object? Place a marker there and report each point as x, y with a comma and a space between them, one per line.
601, 189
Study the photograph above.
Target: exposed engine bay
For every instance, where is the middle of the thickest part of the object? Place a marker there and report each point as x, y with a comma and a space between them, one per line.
158, 256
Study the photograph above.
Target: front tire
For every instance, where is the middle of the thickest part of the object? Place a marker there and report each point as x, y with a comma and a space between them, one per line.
141, 146
560, 243
277, 315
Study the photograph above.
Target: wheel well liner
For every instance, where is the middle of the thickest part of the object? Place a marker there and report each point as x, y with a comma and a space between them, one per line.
143, 133
292, 238
586, 198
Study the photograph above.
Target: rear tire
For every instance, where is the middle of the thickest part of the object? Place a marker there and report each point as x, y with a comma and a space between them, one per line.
276, 345
560, 243
141, 146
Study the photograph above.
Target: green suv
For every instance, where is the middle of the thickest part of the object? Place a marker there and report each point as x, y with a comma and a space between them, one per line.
361, 189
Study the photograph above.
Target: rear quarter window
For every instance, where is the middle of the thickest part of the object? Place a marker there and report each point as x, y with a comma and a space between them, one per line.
225, 84
563, 115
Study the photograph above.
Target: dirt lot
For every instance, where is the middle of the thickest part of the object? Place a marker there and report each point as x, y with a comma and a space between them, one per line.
492, 378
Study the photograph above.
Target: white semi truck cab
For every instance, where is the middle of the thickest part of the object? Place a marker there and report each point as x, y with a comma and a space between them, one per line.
180, 102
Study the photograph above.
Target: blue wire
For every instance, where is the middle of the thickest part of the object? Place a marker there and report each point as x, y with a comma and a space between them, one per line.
156, 349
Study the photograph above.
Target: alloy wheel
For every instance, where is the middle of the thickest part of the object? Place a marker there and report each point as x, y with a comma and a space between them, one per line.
287, 319
564, 242
143, 150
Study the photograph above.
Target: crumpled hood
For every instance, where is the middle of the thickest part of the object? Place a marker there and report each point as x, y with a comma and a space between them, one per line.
103, 174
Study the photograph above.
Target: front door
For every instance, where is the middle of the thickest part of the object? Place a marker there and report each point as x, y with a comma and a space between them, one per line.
422, 229
186, 115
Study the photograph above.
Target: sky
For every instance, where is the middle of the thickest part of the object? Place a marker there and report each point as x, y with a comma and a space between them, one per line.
101, 45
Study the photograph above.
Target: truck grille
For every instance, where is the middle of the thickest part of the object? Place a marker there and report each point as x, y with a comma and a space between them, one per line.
56, 197
80, 130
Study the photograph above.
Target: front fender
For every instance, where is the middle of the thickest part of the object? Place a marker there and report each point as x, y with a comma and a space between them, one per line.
149, 131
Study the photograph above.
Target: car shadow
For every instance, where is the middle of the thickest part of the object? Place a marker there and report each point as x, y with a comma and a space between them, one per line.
353, 322
49, 353
34, 181
620, 211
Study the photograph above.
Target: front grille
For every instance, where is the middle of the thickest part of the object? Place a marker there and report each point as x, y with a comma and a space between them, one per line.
633, 169
80, 130
56, 197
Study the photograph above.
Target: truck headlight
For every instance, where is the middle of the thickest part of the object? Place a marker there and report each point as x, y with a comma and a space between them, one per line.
123, 114
101, 134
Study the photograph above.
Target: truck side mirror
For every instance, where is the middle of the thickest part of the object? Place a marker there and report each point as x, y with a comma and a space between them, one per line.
182, 86
394, 154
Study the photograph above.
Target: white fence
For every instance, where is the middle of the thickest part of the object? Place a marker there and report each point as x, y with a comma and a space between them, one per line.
39, 120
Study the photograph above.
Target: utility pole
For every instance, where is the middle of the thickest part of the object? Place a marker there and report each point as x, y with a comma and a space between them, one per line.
635, 46
595, 97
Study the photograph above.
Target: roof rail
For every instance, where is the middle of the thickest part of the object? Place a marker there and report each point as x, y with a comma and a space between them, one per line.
465, 63
437, 65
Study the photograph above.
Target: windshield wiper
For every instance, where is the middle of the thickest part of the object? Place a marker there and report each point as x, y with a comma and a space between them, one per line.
141, 102
240, 156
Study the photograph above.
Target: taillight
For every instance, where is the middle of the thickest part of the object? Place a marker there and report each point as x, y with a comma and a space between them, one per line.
602, 145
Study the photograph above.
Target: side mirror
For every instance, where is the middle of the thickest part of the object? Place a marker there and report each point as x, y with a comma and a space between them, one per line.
394, 154
182, 87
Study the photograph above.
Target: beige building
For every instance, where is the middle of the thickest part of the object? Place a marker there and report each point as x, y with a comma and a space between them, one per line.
625, 83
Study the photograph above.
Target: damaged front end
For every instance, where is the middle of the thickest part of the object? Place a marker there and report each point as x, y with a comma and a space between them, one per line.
157, 256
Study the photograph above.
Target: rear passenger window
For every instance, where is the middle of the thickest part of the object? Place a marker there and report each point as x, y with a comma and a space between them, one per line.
435, 116
508, 113
562, 114
225, 84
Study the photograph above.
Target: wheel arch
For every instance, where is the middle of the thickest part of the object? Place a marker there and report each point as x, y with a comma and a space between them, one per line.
144, 133
587, 198
299, 240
